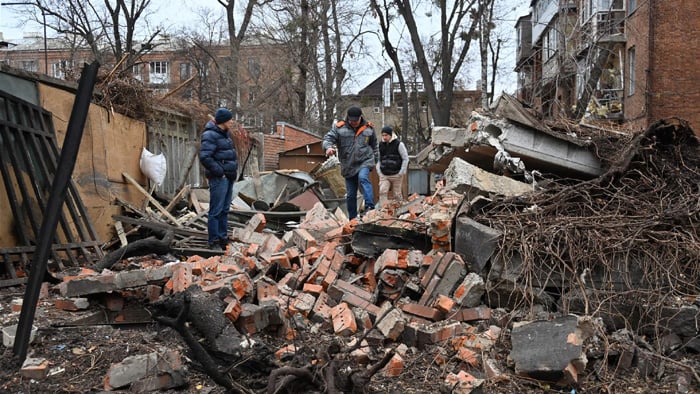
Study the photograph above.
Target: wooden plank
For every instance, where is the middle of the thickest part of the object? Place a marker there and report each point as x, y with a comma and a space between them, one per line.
177, 197
151, 199
120, 233
13, 282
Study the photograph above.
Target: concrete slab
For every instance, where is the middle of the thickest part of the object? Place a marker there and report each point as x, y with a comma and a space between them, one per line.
545, 349
518, 144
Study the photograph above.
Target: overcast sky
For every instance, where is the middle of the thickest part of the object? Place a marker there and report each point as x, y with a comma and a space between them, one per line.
174, 13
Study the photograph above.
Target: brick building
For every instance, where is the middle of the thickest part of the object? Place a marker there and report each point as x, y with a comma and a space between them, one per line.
285, 138
662, 62
169, 63
639, 57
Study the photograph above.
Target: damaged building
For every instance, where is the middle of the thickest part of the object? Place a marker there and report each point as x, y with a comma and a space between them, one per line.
622, 61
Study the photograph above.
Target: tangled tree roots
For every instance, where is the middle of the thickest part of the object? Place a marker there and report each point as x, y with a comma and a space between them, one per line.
630, 237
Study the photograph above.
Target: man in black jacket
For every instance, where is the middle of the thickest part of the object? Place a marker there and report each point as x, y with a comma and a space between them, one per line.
218, 156
392, 165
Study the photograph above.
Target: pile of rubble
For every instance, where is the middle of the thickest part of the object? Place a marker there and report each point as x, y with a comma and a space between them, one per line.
463, 275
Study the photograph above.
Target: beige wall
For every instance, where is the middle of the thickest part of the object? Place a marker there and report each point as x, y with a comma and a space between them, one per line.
111, 145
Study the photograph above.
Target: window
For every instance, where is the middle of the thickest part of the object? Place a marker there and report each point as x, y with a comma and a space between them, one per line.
253, 93
158, 73
632, 5
185, 71
611, 5
59, 69
30, 65
136, 71
631, 61
254, 68
549, 43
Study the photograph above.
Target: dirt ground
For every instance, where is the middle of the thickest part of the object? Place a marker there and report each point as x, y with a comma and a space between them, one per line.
80, 357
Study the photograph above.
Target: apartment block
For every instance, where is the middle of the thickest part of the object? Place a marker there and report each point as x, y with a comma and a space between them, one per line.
634, 61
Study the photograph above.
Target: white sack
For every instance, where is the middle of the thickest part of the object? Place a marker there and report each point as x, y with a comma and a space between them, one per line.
153, 166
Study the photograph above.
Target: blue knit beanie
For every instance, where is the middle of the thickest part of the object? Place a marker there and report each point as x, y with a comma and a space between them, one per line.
223, 115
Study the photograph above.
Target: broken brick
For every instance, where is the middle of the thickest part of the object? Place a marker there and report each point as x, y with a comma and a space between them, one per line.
343, 320
233, 309
426, 312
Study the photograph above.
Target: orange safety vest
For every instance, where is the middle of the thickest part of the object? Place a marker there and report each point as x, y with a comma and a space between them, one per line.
360, 130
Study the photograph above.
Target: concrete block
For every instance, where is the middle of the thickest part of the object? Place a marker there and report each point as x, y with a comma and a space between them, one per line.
88, 285
466, 178
469, 293
475, 242
544, 349
390, 321
146, 371
128, 279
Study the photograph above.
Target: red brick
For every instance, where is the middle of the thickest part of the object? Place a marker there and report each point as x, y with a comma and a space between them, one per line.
252, 249
285, 352
35, 368
241, 285
233, 309
312, 288
360, 302
422, 311
69, 304
443, 303
472, 314
303, 239
267, 292
293, 254
395, 366
16, 305
113, 302
215, 286
256, 223
182, 277
321, 312
468, 356
153, 292
388, 259
281, 259
344, 323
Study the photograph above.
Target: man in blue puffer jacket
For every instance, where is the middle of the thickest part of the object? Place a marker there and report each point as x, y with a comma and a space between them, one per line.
218, 156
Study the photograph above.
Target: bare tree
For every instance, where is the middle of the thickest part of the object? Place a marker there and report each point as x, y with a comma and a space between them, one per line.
200, 44
236, 35
386, 16
102, 24
454, 44
322, 37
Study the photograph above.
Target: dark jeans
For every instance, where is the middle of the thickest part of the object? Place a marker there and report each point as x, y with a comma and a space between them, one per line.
361, 180
220, 196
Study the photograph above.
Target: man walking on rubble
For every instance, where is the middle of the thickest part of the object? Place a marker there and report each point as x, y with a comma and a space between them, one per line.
356, 144
392, 165
220, 160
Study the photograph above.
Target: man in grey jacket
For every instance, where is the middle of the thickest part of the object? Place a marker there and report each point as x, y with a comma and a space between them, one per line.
355, 141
